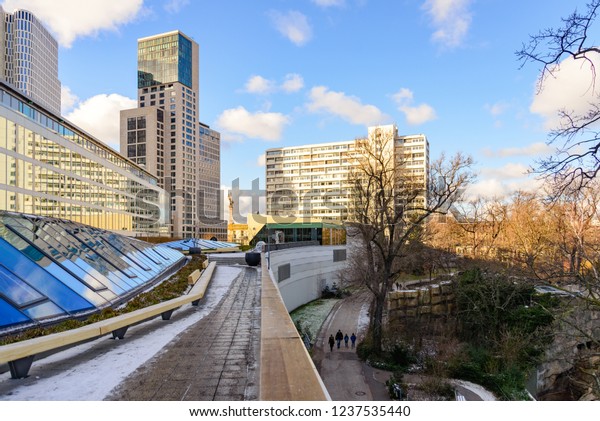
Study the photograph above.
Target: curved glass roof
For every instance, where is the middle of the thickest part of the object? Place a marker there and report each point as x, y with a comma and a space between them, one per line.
52, 269
185, 244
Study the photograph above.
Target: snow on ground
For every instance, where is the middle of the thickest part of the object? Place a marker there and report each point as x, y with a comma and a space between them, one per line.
100, 365
484, 394
312, 315
363, 320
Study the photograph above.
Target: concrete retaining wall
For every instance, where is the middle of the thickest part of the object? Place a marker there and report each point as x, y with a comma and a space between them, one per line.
302, 273
430, 301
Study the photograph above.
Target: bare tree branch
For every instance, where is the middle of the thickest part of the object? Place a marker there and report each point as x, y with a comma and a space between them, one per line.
577, 160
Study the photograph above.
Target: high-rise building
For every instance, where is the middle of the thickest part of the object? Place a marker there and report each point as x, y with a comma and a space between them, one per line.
165, 135
315, 181
50, 167
29, 58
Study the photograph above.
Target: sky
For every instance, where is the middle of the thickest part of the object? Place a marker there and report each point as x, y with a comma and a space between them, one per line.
282, 73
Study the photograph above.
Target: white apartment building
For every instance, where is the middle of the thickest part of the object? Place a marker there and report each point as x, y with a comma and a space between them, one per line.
313, 181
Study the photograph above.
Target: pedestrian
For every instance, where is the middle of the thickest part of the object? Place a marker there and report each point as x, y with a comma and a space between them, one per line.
338, 337
353, 339
331, 342
346, 340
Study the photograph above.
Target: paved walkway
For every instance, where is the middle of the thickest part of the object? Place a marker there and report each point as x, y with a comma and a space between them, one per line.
345, 376
215, 359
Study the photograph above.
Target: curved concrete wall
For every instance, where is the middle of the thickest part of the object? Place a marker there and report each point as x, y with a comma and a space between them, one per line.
301, 273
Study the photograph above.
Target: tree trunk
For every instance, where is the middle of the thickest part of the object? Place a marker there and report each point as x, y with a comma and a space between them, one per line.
377, 333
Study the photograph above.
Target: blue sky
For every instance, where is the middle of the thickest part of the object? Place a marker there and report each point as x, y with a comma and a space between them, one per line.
281, 73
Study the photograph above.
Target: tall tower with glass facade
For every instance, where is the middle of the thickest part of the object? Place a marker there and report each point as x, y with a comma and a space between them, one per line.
164, 134
29, 58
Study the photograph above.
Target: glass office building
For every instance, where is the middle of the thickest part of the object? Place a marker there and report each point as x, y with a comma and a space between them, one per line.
164, 59
49, 167
165, 136
53, 269
29, 58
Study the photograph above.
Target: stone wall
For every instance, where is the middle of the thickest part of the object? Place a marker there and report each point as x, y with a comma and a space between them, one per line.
573, 337
433, 301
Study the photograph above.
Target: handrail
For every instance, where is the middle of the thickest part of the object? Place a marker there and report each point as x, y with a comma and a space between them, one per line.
20, 355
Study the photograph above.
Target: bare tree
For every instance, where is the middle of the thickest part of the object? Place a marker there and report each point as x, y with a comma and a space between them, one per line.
481, 221
577, 160
390, 209
577, 238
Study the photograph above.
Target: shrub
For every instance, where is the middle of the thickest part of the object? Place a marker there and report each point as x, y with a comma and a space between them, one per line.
364, 349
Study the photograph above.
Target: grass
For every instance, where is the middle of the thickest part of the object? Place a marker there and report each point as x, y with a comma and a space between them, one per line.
310, 317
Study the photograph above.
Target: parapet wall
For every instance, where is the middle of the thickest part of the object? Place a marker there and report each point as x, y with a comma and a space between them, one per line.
302, 273
429, 301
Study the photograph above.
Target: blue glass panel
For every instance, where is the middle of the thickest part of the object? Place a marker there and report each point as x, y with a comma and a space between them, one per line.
100, 252
15, 235
122, 247
78, 257
44, 311
128, 246
163, 252
10, 316
13, 288
83, 257
41, 280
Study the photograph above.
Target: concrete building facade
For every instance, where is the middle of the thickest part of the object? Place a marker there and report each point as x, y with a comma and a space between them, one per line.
314, 181
29, 58
164, 134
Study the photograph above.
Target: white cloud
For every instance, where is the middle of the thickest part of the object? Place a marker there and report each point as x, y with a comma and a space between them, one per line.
259, 85
508, 171
347, 107
414, 115
571, 87
535, 149
328, 3
292, 25
293, 83
67, 99
99, 116
498, 187
70, 19
261, 161
238, 123
175, 6
496, 109
451, 20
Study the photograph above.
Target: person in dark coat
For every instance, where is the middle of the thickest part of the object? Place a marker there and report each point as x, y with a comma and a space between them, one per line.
338, 337
331, 342
346, 338
353, 339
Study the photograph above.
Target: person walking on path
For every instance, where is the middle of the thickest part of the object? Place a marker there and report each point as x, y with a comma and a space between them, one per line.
331, 342
353, 339
346, 340
338, 337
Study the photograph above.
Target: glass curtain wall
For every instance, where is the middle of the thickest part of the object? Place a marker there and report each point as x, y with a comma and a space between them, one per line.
45, 175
